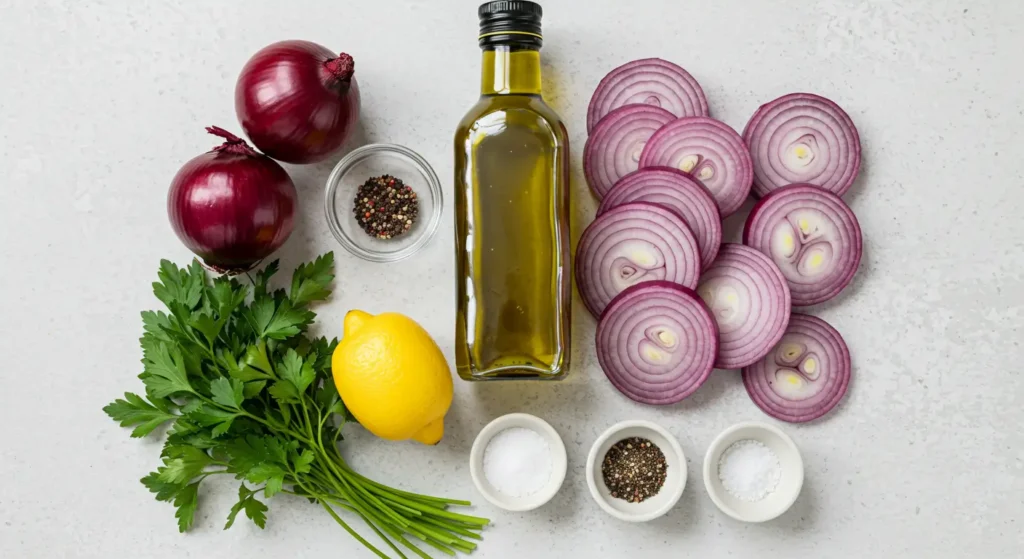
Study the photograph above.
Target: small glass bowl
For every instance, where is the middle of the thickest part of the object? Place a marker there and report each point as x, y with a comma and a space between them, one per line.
375, 160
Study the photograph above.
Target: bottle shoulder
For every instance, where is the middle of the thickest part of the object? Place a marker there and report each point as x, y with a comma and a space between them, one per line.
526, 108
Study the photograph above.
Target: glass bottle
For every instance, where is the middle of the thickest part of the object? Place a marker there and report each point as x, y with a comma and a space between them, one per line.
512, 211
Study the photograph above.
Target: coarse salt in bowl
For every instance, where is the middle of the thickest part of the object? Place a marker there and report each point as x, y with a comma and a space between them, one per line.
746, 503
518, 462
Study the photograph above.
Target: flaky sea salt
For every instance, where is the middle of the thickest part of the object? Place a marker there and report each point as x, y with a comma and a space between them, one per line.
517, 462
749, 470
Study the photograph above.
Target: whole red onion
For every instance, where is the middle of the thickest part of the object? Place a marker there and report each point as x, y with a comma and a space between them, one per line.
297, 101
232, 206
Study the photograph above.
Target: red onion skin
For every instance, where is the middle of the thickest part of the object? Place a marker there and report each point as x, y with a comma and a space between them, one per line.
297, 101
232, 206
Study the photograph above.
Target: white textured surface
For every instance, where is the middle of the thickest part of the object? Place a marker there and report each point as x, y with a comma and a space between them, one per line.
101, 102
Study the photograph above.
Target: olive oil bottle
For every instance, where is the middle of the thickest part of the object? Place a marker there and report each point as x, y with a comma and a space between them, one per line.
512, 211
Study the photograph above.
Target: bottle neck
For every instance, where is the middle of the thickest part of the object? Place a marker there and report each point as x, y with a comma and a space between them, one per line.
508, 71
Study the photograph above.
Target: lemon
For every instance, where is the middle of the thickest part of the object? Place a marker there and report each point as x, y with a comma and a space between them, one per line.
392, 377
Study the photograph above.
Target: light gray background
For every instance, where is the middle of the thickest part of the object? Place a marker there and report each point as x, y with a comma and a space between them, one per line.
101, 102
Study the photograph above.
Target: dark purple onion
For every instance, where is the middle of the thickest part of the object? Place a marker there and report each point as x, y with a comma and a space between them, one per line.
803, 138
678, 192
708, 150
630, 244
749, 298
811, 235
657, 342
613, 148
232, 206
297, 101
650, 81
805, 375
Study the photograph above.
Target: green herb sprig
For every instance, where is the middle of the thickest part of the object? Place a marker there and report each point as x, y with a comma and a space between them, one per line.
244, 391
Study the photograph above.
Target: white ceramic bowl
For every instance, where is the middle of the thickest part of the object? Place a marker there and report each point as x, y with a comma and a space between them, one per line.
558, 462
675, 480
785, 493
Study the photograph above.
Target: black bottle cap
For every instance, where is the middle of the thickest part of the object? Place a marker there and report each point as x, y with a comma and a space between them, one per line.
510, 22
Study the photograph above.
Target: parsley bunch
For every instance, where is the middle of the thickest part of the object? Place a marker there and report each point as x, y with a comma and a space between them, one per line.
246, 392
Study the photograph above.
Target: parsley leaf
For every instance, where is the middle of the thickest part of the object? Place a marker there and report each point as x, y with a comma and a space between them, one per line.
225, 296
157, 323
183, 286
228, 393
284, 392
254, 508
208, 326
182, 463
326, 396
245, 453
303, 461
165, 490
260, 289
135, 410
186, 502
219, 420
311, 281
261, 312
164, 370
292, 369
256, 357
270, 474
287, 321
253, 389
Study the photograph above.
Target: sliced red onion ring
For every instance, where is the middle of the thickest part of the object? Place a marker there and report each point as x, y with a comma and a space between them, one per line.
613, 149
811, 235
805, 375
749, 299
678, 192
710, 151
650, 81
657, 342
630, 244
803, 138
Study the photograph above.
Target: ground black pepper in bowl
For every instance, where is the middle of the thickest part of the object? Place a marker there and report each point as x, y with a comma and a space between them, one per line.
634, 469
385, 207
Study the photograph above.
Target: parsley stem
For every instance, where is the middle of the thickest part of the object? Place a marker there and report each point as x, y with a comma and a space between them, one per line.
425, 498
338, 519
352, 532
401, 507
430, 534
355, 497
353, 500
387, 540
392, 531
449, 527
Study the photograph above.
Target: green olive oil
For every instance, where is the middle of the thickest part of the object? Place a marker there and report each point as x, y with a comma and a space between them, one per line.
511, 212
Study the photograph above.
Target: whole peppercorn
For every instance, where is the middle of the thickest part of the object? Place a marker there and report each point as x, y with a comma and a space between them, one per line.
385, 207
